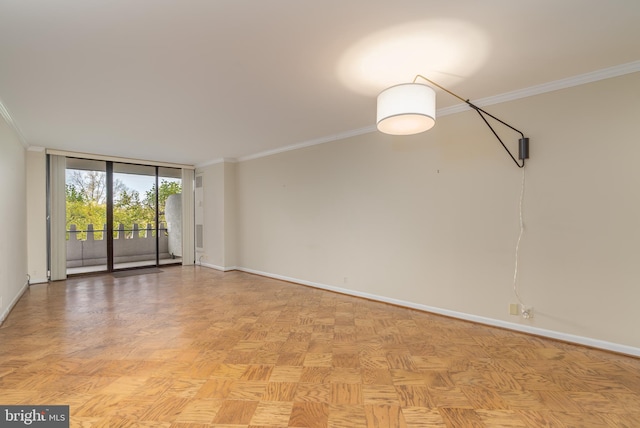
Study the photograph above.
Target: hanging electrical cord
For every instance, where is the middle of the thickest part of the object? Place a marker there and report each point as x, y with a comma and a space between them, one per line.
525, 311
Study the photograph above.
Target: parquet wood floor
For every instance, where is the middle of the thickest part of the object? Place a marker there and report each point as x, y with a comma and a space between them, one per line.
192, 347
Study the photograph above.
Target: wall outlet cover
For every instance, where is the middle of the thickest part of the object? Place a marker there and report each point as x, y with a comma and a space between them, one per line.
514, 309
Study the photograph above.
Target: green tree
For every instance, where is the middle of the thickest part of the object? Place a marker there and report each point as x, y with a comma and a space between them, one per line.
74, 195
166, 189
82, 211
92, 185
86, 203
129, 210
86, 194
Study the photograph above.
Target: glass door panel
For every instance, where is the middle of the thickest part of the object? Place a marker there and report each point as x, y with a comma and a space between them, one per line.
134, 216
170, 214
86, 213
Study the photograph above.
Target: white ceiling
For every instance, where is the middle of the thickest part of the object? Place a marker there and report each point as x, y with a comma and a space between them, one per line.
192, 81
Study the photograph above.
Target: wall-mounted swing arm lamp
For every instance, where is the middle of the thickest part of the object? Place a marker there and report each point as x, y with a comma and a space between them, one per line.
410, 108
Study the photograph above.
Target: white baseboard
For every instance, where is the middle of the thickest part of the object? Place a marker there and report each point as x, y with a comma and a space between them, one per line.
216, 267
594, 343
5, 313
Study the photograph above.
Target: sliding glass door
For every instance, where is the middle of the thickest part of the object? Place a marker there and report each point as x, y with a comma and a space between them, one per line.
170, 214
122, 215
86, 215
134, 216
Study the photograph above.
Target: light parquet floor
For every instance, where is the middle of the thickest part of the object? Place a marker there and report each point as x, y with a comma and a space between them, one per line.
193, 347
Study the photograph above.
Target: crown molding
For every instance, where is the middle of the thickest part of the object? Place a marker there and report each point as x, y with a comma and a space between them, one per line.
310, 143
217, 161
581, 79
14, 126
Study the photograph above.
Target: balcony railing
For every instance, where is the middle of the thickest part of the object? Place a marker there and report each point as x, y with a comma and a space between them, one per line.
129, 245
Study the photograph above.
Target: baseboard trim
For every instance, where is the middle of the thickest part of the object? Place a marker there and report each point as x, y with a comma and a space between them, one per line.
220, 268
565, 337
6, 312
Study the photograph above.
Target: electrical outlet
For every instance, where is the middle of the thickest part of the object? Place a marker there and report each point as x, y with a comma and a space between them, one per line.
514, 309
527, 312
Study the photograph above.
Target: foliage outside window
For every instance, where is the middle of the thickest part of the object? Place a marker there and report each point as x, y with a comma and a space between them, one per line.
86, 203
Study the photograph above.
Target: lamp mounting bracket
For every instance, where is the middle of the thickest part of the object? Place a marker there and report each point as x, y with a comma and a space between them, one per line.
523, 147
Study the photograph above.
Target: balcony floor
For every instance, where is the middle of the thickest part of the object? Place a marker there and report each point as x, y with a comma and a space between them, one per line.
127, 265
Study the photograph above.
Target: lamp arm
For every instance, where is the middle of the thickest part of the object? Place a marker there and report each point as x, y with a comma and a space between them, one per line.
441, 87
524, 142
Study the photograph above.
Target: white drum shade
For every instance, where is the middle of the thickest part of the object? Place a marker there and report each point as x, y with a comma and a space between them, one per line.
409, 108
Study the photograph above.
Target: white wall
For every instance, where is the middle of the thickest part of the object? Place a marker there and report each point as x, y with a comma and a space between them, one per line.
230, 214
432, 220
13, 214
218, 182
37, 215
